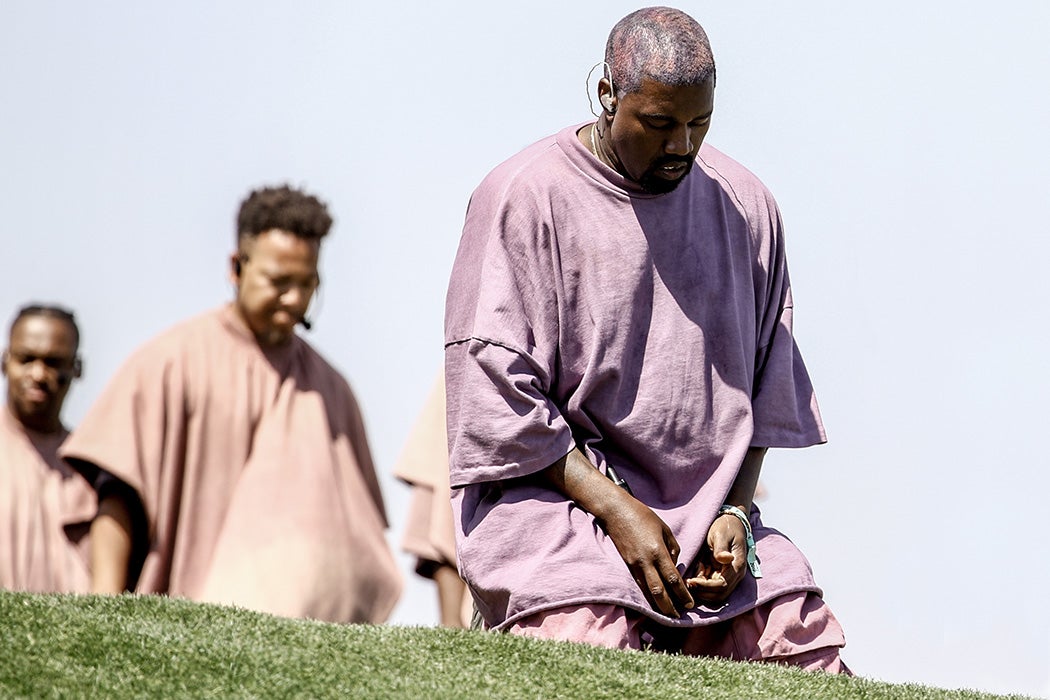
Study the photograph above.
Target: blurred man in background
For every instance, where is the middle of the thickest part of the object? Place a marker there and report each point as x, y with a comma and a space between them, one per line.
429, 532
231, 459
45, 507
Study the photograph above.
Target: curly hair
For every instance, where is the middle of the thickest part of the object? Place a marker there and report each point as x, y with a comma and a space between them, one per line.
284, 208
48, 311
659, 43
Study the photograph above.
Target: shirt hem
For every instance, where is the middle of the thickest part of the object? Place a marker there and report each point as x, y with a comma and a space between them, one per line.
689, 619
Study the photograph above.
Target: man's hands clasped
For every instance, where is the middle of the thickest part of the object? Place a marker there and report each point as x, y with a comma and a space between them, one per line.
648, 546
650, 551
722, 561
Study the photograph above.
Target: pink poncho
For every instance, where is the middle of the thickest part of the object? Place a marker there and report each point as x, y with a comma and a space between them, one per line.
254, 471
45, 512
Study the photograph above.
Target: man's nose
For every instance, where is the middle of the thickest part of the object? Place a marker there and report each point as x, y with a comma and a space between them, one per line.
681, 142
38, 371
295, 297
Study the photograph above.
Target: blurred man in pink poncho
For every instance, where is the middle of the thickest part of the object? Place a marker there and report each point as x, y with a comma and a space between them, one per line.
45, 507
231, 459
430, 534
619, 357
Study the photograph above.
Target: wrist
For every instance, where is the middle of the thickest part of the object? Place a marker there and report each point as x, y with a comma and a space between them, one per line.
752, 554
745, 509
609, 500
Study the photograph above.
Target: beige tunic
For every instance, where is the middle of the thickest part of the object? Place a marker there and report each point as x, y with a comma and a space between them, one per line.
430, 534
423, 464
45, 512
254, 472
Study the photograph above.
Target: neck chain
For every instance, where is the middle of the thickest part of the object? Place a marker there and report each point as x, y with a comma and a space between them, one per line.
594, 145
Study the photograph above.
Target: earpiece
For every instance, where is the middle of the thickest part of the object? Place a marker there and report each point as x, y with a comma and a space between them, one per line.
608, 100
66, 376
237, 267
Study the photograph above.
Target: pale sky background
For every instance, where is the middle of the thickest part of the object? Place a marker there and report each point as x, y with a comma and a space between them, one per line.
906, 142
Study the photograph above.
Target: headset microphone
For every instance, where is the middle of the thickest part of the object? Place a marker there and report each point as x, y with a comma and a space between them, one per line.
305, 323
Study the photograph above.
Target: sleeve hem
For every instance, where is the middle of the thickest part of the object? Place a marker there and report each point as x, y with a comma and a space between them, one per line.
501, 472
789, 440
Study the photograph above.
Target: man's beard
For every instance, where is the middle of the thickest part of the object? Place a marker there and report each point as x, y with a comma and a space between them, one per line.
654, 184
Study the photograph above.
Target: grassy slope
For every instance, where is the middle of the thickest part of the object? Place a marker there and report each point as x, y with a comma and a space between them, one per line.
65, 646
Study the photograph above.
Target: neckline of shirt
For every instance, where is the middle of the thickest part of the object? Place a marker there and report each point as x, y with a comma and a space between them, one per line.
590, 165
279, 355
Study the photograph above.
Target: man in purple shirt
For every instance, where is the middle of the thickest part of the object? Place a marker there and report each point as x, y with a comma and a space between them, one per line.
619, 357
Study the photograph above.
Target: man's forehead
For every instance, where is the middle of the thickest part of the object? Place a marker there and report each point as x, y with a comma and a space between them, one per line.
654, 96
42, 334
277, 242
654, 89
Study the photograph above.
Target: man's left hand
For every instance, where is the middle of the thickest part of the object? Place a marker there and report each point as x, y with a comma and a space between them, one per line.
722, 561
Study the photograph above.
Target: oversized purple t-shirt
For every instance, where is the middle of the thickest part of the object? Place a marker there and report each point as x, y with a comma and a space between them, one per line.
651, 331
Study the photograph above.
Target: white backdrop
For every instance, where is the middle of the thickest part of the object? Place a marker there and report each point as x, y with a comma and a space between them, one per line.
905, 141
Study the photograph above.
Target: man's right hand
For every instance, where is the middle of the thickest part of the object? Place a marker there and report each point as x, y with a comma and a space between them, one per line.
650, 551
643, 540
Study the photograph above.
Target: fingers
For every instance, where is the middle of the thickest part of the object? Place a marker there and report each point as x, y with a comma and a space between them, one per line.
722, 536
721, 564
672, 545
656, 593
704, 587
679, 590
665, 589
651, 553
708, 574
711, 585
728, 542
661, 581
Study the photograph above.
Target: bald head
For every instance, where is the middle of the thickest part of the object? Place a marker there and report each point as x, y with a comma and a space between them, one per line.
659, 43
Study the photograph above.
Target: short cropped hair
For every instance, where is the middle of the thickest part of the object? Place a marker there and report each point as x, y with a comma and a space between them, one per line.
47, 311
659, 43
284, 208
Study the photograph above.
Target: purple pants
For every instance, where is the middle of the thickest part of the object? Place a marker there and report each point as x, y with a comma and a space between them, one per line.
797, 629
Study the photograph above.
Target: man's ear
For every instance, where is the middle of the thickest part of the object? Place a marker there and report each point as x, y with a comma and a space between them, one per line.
605, 96
236, 260
78, 367
3, 363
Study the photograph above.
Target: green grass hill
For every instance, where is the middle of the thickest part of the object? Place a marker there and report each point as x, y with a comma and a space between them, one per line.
155, 647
